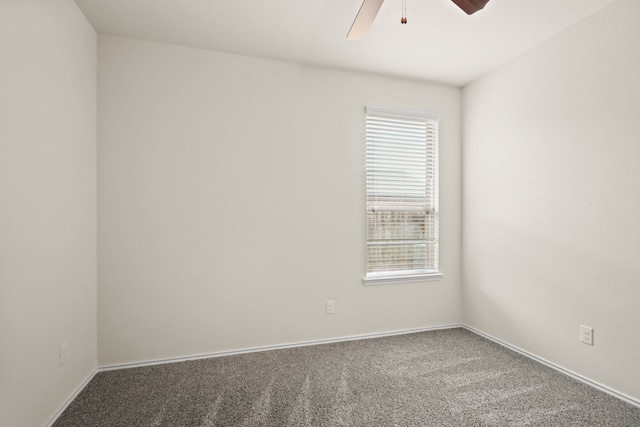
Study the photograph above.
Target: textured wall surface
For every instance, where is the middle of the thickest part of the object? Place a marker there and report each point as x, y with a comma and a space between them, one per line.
231, 203
47, 207
552, 199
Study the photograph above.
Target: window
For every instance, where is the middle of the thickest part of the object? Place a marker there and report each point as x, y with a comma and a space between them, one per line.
401, 195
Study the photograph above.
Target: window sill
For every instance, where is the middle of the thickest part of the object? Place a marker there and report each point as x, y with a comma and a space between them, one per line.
387, 280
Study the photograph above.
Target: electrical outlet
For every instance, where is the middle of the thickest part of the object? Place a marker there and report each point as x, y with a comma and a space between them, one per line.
331, 306
586, 334
63, 354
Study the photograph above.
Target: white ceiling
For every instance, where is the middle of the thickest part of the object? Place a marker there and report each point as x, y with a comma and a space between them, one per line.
440, 43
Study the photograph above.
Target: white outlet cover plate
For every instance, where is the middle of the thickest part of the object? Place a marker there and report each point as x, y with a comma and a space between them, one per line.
331, 306
586, 334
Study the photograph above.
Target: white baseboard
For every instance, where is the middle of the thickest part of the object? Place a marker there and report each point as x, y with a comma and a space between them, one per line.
72, 397
558, 368
274, 347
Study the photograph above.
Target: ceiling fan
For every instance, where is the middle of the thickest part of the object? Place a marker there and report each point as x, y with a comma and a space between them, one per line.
369, 10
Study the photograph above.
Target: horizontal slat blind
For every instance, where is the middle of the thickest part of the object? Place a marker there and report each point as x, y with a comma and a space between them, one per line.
402, 192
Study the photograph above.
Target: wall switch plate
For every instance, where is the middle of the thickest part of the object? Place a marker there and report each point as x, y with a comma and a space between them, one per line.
586, 334
331, 306
63, 354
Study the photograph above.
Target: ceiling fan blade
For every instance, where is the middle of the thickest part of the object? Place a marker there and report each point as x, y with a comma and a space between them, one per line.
364, 19
470, 6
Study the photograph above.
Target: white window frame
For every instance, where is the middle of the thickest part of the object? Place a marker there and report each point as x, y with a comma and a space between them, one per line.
376, 116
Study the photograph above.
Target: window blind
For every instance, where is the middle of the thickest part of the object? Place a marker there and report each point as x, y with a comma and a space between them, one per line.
401, 192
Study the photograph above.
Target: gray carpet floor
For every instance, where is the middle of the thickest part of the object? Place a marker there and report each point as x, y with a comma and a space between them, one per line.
439, 378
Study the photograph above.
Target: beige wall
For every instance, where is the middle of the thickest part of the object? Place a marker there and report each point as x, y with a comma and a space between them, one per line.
552, 199
231, 203
47, 207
